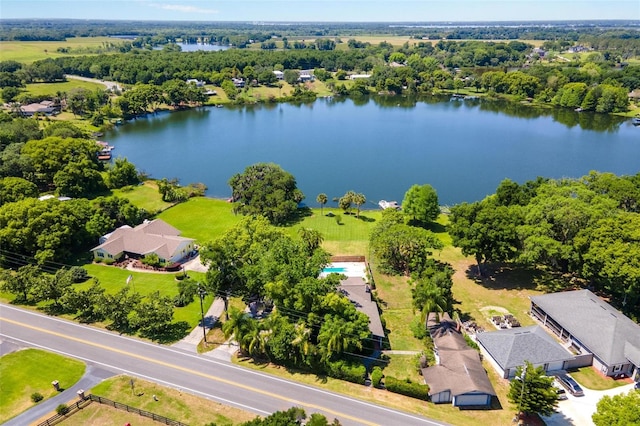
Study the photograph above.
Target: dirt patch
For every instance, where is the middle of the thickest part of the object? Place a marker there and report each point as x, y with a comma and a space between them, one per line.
494, 308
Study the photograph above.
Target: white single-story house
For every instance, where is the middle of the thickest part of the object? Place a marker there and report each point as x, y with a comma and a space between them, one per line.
154, 236
198, 83
596, 332
510, 348
458, 377
279, 74
359, 76
44, 107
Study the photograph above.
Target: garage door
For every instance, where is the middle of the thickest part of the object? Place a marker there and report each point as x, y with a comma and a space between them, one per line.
472, 399
553, 366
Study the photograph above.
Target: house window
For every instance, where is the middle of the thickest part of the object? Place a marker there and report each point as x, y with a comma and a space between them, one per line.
617, 368
100, 254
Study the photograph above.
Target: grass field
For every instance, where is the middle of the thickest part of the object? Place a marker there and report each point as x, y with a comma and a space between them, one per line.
31, 51
172, 403
50, 89
591, 379
145, 196
32, 370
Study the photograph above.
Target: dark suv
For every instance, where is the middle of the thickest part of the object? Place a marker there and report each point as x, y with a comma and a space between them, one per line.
571, 385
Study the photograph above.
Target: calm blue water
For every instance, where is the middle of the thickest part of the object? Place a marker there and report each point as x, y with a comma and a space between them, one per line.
194, 47
381, 148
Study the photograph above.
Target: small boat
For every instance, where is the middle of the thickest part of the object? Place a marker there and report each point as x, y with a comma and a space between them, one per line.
578, 110
636, 120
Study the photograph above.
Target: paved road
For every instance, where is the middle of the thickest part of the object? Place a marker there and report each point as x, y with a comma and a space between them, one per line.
217, 380
110, 85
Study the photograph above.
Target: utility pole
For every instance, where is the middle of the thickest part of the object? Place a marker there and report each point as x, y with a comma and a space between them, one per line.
522, 379
202, 292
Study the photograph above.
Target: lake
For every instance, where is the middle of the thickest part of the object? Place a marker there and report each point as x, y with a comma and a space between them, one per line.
380, 146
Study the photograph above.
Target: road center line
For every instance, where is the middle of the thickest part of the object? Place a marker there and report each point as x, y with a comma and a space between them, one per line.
190, 371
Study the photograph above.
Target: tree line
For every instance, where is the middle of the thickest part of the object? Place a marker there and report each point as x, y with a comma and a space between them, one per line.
583, 232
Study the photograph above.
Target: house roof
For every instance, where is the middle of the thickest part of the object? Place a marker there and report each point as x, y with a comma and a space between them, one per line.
154, 236
460, 372
510, 348
581, 312
460, 369
359, 293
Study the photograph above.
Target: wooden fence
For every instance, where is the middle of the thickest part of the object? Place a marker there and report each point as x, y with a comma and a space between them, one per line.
95, 398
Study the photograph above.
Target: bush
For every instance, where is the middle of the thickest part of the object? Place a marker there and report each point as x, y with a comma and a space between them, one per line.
471, 343
343, 370
376, 376
79, 274
36, 397
62, 409
418, 328
407, 387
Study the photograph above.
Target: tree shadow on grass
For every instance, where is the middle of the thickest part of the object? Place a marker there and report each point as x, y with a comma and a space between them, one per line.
500, 276
365, 218
170, 333
298, 216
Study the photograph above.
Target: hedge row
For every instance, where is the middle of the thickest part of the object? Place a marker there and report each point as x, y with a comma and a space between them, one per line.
406, 387
344, 370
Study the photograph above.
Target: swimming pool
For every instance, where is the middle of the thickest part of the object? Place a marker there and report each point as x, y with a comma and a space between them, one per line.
334, 269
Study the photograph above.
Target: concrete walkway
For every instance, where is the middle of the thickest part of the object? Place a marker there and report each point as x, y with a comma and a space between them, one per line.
92, 376
190, 342
401, 352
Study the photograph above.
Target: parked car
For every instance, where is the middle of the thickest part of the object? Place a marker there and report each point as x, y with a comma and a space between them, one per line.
571, 385
562, 394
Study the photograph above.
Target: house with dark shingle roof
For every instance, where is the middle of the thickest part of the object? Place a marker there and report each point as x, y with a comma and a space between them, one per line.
359, 293
510, 348
155, 236
458, 377
590, 326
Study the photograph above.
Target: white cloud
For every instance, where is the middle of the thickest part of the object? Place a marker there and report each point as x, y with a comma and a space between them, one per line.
183, 8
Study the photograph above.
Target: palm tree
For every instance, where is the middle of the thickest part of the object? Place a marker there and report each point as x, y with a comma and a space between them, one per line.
240, 325
359, 199
302, 340
311, 238
322, 200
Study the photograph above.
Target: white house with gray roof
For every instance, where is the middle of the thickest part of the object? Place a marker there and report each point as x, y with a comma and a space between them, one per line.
593, 329
155, 236
510, 348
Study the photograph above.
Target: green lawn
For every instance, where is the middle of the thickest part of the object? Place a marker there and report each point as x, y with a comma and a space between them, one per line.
402, 367
172, 403
145, 196
591, 379
201, 218
351, 237
50, 89
31, 51
32, 370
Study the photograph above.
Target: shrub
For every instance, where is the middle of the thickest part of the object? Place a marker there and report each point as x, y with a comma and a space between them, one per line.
97, 260
153, 260
418, 328
109, 261
344, 370
471, 343
79, 274
407, 387
376, 376
36, 397
62, 409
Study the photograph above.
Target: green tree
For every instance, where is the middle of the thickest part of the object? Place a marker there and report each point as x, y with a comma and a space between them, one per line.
239, 325
532, 391
291, 76
15, 189
358, 199
153, 315
267, 190
53, 287
22, 282
322, 200
79, 179
618, 410
421, 203
311, 238
117, 308
122, 173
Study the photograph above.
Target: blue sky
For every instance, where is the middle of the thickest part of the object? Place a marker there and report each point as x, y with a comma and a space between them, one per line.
323, 10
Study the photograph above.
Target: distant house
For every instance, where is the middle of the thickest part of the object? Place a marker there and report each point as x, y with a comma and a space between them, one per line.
279, 74
238, 82
44, 107
510, 348
306, 75
198, 83
458, 376
359, 76
154, 236
597, 333
540, 52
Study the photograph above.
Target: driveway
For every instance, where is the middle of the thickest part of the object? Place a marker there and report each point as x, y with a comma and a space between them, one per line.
577, 410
